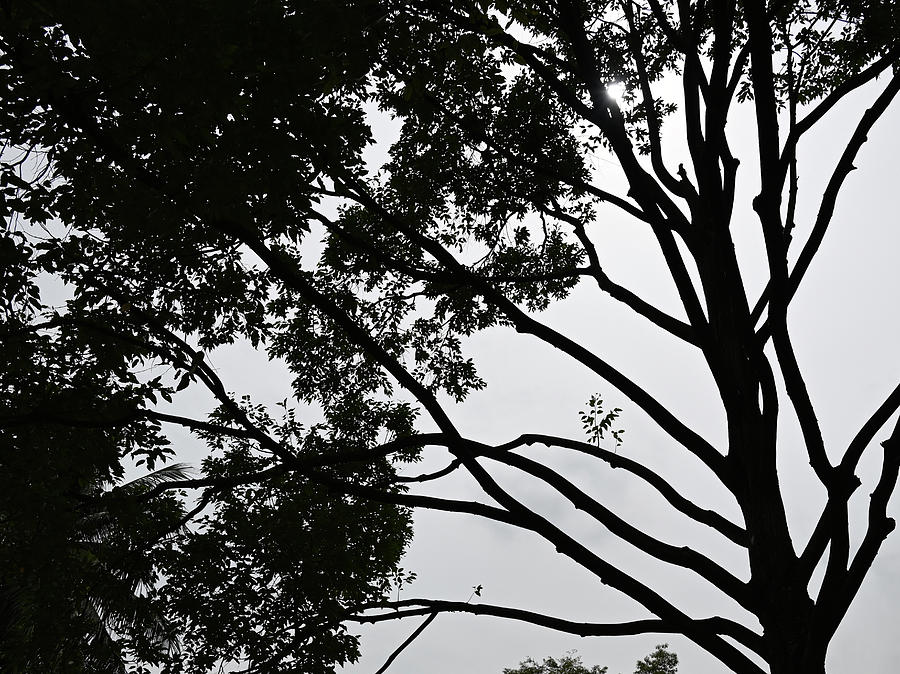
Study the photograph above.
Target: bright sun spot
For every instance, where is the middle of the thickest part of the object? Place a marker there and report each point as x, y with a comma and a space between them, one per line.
615, 91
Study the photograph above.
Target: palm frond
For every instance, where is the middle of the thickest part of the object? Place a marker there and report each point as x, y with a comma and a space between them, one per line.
177, 471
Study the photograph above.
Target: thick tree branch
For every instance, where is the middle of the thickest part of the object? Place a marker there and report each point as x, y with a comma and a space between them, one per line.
839, 595
513, 512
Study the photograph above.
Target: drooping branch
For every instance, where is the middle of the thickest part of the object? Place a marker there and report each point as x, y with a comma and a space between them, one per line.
682, 556
710, 518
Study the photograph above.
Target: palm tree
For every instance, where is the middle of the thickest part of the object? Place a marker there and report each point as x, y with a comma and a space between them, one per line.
100, 607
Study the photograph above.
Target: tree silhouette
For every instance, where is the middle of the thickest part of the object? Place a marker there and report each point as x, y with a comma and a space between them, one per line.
660, 661
195, 172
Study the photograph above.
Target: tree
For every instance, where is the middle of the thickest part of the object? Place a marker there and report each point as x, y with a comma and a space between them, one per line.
63, 553
567, 664
200, 177
660, 661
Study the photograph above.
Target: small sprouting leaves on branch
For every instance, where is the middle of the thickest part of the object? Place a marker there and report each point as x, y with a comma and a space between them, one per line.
598, 424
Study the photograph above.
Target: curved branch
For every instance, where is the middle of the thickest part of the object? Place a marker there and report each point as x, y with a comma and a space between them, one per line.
419, 607
866, 434
680, 556
710, 518
427, 477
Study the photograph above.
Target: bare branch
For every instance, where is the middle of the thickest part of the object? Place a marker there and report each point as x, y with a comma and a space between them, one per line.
829, 198
427, 477
643, 308
866, 434
880, 526
407, 642
712, 519
852, 83
680, 556
718, 625
841, 171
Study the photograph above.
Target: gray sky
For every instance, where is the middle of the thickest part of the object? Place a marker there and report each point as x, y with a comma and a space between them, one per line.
847, 353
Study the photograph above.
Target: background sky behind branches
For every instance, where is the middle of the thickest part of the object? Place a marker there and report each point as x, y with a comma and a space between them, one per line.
845, 327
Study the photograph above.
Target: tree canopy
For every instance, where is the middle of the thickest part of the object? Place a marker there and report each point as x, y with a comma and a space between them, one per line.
179, 176
660, 661
567, 664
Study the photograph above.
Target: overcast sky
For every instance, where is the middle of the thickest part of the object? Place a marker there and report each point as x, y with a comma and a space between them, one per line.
845, 327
